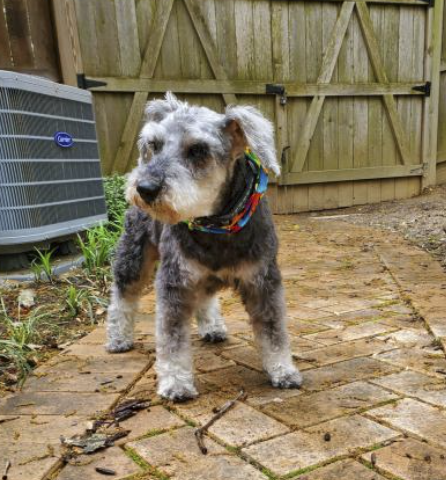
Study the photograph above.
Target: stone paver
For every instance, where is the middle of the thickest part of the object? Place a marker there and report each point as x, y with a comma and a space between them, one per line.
345, 470
54, 381
354, 332
306, 410
243, 425
411, 460
110, 364
113, 459
39, 429
296, 451
357, 317
50, 403
176, 453
424, 360
346, 350
345, 372
414, 384
96, 337
408, 338
149, 421
367, 325
250, 357
422, 278
29, 461
210, 361
414, 417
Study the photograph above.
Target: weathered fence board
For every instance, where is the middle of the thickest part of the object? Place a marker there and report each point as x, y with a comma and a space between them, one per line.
27, 43
351, 128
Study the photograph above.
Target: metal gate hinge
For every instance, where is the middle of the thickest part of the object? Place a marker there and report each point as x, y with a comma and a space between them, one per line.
87, 83
430, 3
426, 89
277, 89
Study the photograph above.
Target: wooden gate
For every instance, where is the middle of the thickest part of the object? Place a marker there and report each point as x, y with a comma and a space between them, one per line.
346, 82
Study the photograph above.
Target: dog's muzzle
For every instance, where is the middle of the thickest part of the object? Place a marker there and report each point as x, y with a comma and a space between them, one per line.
149, 190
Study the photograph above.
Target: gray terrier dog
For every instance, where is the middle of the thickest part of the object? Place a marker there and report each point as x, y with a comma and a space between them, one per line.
198, 173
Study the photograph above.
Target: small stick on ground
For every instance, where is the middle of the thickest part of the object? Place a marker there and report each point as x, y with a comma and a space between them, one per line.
199, 432
10, 419
5, 473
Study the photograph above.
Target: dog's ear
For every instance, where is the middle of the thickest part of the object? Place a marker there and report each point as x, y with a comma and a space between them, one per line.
249, 128
156, 110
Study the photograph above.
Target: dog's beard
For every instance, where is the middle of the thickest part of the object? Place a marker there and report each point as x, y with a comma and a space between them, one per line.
158, 211
182, 199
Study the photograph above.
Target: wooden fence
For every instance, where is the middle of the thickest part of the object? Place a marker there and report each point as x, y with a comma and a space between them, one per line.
441, 148
353, 86
27, 42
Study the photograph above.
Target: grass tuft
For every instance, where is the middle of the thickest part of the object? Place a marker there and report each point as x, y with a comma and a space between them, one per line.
19, 347
42, 266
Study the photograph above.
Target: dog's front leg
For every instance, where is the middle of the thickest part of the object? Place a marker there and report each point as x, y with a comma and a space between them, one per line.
175, 306
133, 266
264, 299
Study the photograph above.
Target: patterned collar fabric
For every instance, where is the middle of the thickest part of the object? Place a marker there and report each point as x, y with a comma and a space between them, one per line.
246, 205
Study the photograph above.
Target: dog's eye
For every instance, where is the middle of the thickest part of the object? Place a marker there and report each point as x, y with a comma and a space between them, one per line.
198, 151
155, 146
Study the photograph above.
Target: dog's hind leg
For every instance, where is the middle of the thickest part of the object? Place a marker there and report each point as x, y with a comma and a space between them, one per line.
211, 324
134, 264
264, 300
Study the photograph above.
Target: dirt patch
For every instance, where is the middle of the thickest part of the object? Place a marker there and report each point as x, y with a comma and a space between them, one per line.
421, 220
37, 320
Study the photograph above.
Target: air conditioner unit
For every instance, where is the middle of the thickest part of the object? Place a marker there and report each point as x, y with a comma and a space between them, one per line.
50, 173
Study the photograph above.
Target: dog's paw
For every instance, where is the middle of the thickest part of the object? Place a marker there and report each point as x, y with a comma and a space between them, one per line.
176, 390
290, 378
215, 337
119, 346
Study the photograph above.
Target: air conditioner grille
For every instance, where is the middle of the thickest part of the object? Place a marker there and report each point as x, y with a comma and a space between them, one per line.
24, 148
25, 123
31, 195
50, 215
28, 101
48, 188
18, 171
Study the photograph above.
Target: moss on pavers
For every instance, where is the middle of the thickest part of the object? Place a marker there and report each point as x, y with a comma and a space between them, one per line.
291, 453
310, 409
412, 416
177, 455
114, 459
340, 470
410, 459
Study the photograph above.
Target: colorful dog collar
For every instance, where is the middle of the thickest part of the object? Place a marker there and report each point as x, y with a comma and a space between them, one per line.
250, 199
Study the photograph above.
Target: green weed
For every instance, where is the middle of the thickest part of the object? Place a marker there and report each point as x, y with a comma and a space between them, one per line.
19, 345
41, 266
74, 300
114, 187
97, 247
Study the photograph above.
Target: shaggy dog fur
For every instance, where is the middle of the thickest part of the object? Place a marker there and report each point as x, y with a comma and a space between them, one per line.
191, 163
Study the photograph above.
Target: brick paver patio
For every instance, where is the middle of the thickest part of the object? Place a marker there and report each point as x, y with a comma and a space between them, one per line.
368, 329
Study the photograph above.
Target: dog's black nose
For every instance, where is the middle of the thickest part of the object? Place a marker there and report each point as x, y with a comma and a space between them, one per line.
149, 190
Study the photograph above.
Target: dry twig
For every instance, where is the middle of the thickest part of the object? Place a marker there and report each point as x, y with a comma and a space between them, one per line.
5, 473
199, 432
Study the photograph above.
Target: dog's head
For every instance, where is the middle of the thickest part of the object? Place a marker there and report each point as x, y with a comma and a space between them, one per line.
187, 156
